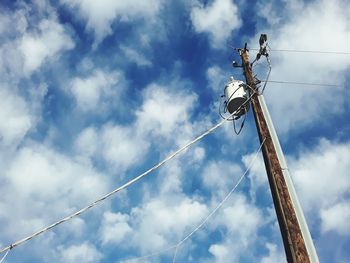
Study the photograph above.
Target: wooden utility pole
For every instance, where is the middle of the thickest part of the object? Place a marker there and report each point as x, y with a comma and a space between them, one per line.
295, 234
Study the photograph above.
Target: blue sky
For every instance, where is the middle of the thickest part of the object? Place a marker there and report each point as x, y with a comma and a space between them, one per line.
95, 92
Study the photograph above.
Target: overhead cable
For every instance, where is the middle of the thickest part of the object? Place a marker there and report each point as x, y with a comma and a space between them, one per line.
308, 51
301, 83
268, 75
3, 258
129, 183
200, 225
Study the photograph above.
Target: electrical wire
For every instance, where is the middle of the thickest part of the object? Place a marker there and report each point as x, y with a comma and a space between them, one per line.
301, 51
268, 74
175, 254
254, 91
307, 51
3, 258
220, 106
127, 184
242, 124
264, 51
199, 226
300, 83
151, 254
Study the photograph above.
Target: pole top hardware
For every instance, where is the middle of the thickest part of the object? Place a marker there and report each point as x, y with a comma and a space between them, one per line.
263, 48
235, 64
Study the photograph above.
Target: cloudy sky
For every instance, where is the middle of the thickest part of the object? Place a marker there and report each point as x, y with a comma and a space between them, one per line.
95, 92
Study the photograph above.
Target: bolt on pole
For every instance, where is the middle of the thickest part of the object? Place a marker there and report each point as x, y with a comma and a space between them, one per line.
293, 240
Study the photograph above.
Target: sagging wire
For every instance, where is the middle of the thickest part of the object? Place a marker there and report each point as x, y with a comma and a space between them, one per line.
268, 75
302, 83
306, 51
108, 195
3, 258
269, 65
246, 110
175, 253
242, 124
220, 106
205, 220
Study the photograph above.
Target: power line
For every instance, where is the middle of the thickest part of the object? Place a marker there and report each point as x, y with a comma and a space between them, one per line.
3, 258
307, 51
199, 226
301, 83
222, 202
132, 181
129, 183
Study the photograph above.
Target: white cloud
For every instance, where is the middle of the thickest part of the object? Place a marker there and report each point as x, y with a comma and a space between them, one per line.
122, 146
114, 228
322, 172
198, 155
85, 252
100, 15
274, 256
160, 223
220, 176
164, 118
241, 221
51, 39
322, 182
162, 114
87, 142
134, 56
45, 180
241, 218
336, 218
267, 10
165, 111
45, 166
218, 19
15, 118
172, 176
220, 252
217, 79
11, 63
98, 91
13, 23
170, 179
21, 111
76, 228
257, 174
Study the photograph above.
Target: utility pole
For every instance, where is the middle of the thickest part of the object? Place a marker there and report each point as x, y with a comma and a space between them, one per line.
296, 237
